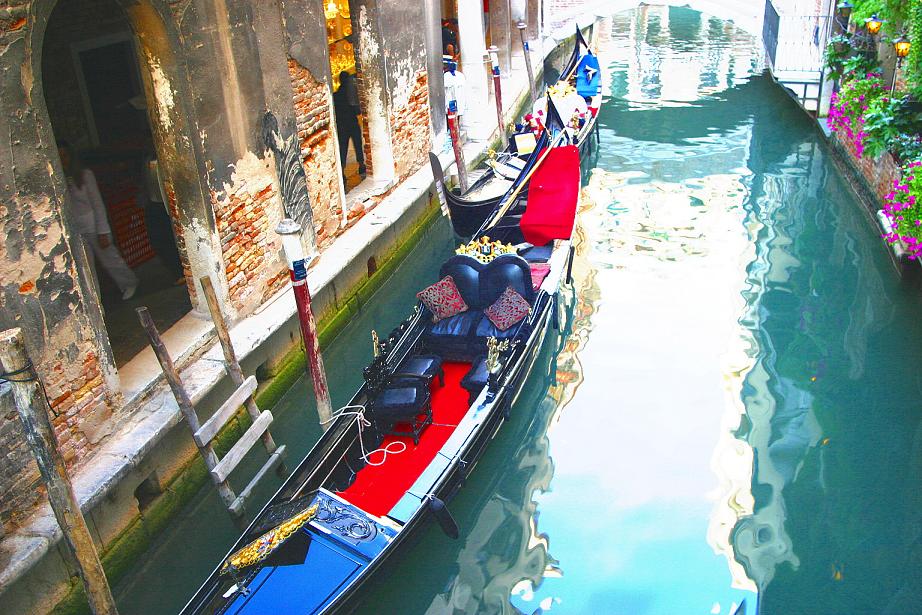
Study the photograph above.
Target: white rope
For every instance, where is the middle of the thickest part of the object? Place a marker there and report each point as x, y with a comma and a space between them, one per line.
358, 411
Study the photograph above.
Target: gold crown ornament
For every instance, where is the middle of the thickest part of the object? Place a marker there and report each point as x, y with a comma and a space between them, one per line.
485, 250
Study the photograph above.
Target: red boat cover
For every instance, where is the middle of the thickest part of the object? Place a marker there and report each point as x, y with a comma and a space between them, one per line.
552, 195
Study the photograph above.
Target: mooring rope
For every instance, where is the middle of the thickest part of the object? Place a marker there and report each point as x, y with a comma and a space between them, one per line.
358, 411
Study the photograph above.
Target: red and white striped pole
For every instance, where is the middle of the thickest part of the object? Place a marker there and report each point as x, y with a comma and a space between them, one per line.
297, 267
498, 93
456, 144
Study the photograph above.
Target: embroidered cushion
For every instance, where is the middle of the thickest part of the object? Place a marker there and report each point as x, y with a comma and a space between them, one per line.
509, 309
539, 271
443, 299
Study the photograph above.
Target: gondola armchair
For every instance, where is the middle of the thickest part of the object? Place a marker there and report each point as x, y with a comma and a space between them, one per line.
397, 399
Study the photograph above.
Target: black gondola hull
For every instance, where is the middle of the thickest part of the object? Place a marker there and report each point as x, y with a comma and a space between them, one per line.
313, 581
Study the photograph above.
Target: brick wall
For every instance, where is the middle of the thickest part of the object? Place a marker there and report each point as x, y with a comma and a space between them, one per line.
81, 417
879, 173
312, 102
20, 482
246, 214
410, 129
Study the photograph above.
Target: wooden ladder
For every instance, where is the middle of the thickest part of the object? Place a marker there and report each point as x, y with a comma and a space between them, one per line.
204, 433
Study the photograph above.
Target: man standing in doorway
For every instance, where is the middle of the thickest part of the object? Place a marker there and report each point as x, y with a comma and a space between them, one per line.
87, 212
346, 108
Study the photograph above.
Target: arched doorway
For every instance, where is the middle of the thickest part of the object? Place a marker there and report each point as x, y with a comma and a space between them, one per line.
348, 102
94, 91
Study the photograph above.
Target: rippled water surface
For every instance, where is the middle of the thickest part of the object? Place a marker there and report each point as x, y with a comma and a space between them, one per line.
731, 412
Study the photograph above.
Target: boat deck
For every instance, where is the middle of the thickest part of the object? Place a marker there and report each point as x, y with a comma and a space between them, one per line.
377, 489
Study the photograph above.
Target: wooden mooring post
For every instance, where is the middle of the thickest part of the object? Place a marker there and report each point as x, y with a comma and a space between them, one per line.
34, 412
204, 433
532, 86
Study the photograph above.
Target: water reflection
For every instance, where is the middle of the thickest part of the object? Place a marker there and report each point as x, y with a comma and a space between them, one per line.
731, 404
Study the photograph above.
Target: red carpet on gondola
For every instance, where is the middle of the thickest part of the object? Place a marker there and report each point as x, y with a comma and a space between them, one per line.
378, 488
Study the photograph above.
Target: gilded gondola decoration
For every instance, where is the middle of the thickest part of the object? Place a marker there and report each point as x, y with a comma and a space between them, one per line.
485, 250
494, 349
262, 547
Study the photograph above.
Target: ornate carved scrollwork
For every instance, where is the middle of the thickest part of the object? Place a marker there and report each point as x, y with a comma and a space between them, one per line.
343, 521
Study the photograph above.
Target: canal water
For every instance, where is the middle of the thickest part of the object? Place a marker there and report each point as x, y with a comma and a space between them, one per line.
730, 414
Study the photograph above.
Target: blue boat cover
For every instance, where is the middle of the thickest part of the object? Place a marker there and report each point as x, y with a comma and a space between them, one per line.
588, 76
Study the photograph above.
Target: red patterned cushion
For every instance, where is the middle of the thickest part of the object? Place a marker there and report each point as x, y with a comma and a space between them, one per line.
509, 309
443, 299
539, 271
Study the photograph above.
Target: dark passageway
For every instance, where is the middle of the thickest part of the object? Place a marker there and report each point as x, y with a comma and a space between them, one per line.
96, 101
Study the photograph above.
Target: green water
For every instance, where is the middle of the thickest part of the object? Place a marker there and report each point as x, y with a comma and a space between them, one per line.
730, 414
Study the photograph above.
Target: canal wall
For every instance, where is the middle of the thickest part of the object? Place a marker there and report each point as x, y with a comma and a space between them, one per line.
165, 474
147, 473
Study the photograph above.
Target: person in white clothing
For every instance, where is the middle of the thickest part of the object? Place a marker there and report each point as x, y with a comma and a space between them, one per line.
87, 213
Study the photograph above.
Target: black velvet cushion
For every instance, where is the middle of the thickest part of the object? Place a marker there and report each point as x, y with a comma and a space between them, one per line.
538, 254
480, 284
397, 400
466, 273
426, 365
506, 271
459, 325
485, 328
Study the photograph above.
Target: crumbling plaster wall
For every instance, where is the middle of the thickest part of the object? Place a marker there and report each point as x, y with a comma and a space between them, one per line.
404, 26
392, 49
222, 54
41, 290
312, 96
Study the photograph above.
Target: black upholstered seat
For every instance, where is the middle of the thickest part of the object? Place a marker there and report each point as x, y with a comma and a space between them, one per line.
395, 399
475, 379
426, 365
537, 254
463, 336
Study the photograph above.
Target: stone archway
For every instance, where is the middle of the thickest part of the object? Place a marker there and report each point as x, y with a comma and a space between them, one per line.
166, 90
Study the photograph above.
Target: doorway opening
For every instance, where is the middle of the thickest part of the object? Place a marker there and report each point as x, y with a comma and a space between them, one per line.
348, 100
96, 102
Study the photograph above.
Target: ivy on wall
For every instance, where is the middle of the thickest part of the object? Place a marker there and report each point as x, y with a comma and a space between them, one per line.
895, 12
913, 63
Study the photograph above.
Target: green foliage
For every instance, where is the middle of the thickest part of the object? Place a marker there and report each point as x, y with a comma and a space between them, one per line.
907, 147
838, 51
864, 9
894, 13
886, 120
859, 66
913, 63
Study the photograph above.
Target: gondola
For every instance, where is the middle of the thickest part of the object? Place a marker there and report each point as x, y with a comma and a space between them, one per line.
504, 173
433, 397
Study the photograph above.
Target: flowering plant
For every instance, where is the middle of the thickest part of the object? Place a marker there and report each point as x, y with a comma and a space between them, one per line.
847, 108
903, 206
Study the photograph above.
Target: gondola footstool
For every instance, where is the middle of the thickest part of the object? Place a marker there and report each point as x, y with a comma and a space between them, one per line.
475, 379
